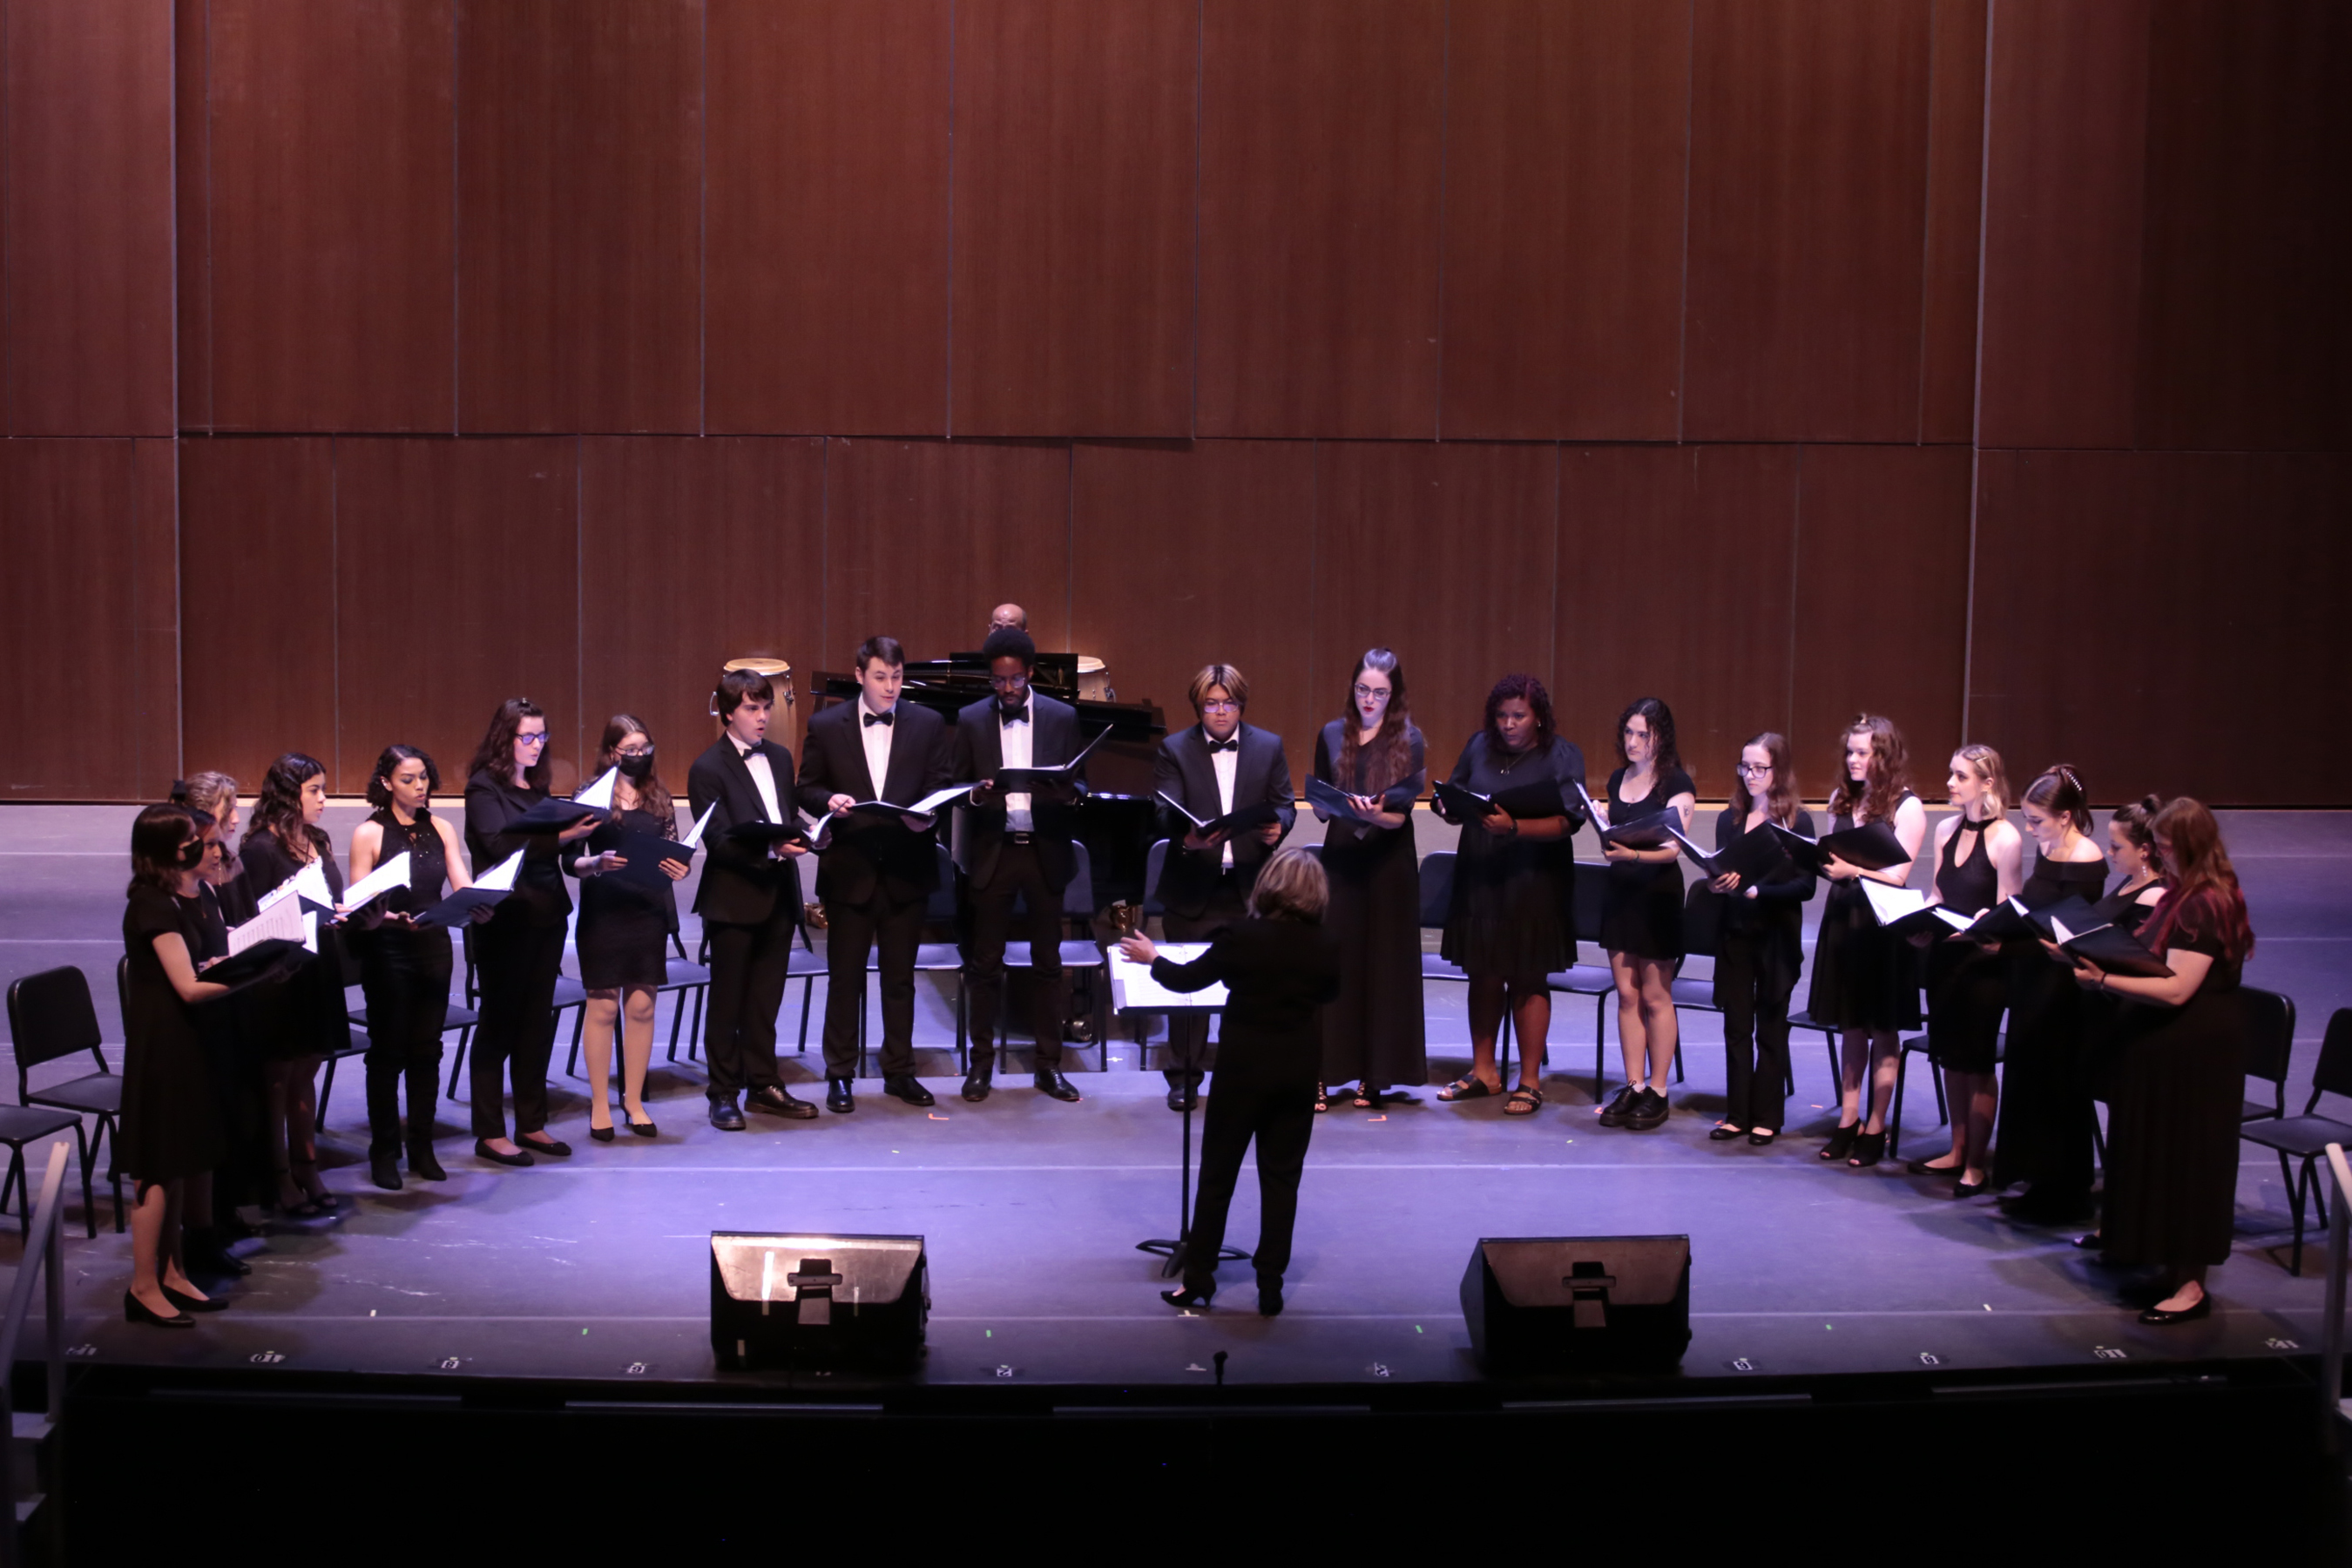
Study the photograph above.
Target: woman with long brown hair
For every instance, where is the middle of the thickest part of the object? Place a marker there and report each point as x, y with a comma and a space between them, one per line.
1642, 910
1866, 983
626, 919
1761, 942
2172, 1131
1373, 1035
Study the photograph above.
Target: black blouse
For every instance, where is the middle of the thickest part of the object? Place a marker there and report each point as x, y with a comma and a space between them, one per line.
491, 803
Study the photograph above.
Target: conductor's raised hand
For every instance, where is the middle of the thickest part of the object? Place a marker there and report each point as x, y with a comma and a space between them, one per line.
1137, 949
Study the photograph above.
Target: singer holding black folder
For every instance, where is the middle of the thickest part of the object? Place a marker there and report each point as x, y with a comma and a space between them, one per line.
875, 873
518, 951
1203, 773
1511, 919
1642, 910
1866, 983
750, 899
1016, 843
404, 968
1760, 943
626, 914
1373, 1035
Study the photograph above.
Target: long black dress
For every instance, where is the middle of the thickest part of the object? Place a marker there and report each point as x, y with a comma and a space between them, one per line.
1512, 912
624, 923
1374, 1033
309, 1018
171, 1121
1967, 982
1759, 952
2172, 1134
2105, 1013
1863, 978
2046, 1121
1642, 901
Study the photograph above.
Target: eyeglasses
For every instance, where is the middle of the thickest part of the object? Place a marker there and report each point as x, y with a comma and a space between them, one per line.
1753, 770
1372, 693
530, 739
1008, 682
634, 751
1215, 706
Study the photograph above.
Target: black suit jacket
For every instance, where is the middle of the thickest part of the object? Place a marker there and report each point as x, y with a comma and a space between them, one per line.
867, 852
1277, 974
980, 752
1184, 771
741, 883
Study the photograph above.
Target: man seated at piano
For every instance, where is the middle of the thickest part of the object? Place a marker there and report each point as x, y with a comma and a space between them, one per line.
1008, 616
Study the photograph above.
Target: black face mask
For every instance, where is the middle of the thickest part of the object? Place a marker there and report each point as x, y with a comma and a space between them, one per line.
634, 768
191, 856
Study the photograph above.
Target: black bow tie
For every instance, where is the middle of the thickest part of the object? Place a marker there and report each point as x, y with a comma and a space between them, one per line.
1233, 745
883, 719
1013, 715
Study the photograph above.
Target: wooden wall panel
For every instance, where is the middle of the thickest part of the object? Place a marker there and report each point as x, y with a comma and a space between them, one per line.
334, 269
1188, 552
258, 590
2063, 197
1321, 140
1882, 598
458, 586
1948, 305
191, 133
580, 216
155, 611
693, 552
1077, 142
2174, 654
2242, 330
88, 196
1444, 554
827, 217
924, 537
1675, 582
1808, 202
68, 510
1566, 136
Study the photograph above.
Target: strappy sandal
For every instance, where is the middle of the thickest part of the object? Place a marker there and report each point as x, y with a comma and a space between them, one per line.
1468, 1087
1322, 1099
1367, 1098
1523, 1101
323, 1201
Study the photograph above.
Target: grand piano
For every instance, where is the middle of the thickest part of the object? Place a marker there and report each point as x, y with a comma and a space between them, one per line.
1117, 814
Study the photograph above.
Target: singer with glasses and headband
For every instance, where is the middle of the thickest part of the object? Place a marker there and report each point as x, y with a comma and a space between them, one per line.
1759, 943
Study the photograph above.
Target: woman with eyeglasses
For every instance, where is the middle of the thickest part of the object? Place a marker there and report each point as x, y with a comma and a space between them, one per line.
1642, 910
1760, 944
625, 925
1373, 1035
518, 951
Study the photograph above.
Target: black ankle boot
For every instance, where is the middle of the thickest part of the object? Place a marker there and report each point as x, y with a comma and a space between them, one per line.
384, 1168
422, 1165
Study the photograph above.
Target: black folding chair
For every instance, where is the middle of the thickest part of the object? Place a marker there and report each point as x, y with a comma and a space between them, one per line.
1082, 959
1918, 1044
51, 1018
1589, 979
2304, 1137
682, 977
1436, 900
569, 992
2270, 1049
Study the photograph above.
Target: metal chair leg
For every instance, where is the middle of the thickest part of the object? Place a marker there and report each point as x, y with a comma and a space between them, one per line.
458, 1061
2294, 1264
1894, 1111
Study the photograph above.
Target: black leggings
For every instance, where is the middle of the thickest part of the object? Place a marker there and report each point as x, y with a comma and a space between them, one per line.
1753, 995
517, 966
406, 977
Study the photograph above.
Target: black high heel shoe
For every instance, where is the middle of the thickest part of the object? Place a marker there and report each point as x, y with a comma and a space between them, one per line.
644, 1129
1185, 1297
1869, 1149
1841, 1142
135, 1310
601, 1135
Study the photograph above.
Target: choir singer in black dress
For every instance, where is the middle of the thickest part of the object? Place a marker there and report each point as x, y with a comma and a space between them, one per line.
1642, 910
1980, 860
875, 873
749, 902
1278, 966
1760, 943
1015, 843
1212, 770
1511, 919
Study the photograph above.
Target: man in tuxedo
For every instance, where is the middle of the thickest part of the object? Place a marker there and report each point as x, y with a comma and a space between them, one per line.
1213, 769
750, 900
1015, 843
875, 873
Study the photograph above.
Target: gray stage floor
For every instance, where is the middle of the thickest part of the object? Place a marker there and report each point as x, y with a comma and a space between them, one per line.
597, 1267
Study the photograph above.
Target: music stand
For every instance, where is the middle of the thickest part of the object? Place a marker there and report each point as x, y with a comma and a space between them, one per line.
1172, 1248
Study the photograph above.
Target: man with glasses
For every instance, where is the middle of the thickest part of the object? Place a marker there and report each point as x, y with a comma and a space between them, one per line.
1012, 845
1212, 770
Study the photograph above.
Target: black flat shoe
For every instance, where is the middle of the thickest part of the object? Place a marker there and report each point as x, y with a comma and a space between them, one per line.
1053, 1086
1971, 1189
422, 1165
134, 1311
1725, 1134
643, 1129
1762, 1137
977, 1085
544, 1146
1922, 1168
1841, 1142
775, 1100
601, 1135
905, 1087
2204, 1308
187, 1303
482, 1150
1185, 1297
1269, 1298
839, 1097
726, 1115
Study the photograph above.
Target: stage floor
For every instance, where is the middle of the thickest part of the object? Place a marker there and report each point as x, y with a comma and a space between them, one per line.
596, 1268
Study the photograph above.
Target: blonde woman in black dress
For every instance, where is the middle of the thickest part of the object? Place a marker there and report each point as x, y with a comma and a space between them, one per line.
1642, 910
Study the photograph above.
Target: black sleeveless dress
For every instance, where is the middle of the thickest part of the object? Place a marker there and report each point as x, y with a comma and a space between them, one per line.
423, 952
624, 923
2045, 1093
1863, 978
1512, 912
1642, 902
307, 1015
171, 1120
1967, 983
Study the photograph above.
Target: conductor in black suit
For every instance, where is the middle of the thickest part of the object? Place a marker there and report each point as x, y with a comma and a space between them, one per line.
877, 873
749, 902
1015, 843
1216, 767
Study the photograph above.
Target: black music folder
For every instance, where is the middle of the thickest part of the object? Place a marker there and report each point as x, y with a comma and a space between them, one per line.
554, 817
1755, 856
2113, 950
766, 832
1333, 800
1524, 802
273, 958
1872, 846
645, 852
1236, 821
1037, 780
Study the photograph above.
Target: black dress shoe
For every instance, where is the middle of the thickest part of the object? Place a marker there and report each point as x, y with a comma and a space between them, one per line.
383, 1170
1187, 1297
422, 1165
905, 1086
839, 1098
726, 1115
977, 1084
1184, 1094
187, 1303
482, 1150
644, 1130
134, 1311
773, 1101
2204, 1308
1050, 1082
1269, 1295
554, 1146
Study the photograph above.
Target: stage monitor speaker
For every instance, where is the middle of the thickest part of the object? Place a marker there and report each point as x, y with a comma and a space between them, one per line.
781, 1298
1565, 1303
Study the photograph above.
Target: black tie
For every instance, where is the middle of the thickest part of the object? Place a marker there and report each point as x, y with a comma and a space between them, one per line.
1233, 745
872, 719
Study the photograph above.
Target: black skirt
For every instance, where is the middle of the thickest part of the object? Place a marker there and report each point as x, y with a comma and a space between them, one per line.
1968, 990
1642, 909
1863, 978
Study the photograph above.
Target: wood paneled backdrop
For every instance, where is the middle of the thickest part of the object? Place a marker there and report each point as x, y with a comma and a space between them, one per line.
1980, 362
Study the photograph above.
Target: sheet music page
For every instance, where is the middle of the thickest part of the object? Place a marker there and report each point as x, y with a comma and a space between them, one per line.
1132, 989
500, 878
694, 839
599, 794
393, 873
281, 921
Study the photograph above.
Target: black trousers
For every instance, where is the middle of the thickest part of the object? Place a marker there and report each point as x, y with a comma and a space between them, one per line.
990, 914
1188, 1055
747, 968
517, 966
894, 931
1281, 1117
1754, 998
405, 978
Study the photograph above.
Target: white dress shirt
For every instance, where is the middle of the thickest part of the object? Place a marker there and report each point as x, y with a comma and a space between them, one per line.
1224, 764
764, 776
878, 748
1016, 741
